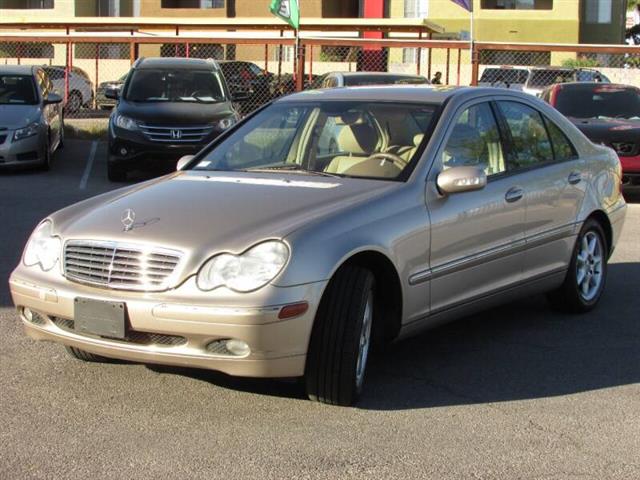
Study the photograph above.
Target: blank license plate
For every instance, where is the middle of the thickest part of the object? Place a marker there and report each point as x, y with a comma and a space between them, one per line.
98, 317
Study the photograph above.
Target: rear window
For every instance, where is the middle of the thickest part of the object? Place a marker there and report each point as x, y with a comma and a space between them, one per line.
544, 78
493, 75
599, 102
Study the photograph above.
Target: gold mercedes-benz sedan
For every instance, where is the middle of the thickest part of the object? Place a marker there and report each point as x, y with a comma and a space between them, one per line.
323, 225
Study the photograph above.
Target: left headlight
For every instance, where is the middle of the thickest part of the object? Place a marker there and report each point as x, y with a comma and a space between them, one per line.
246, 272
43, 248
28, 131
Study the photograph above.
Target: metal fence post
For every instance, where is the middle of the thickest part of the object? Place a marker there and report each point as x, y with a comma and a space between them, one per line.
300, 54
475, 63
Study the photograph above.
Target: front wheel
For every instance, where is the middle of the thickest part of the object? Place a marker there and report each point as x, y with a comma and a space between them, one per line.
341, 338
586, 278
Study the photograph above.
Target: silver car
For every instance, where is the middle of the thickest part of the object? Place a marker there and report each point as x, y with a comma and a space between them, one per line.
31, 125
324, 225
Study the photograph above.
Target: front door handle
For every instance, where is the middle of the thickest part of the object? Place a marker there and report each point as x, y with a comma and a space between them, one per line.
575, 177
514, 194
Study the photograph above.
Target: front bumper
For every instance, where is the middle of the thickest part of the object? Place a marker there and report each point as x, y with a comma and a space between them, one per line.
26, 152
278, 347
630, 171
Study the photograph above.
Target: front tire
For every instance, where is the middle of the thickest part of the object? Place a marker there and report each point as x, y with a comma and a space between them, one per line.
586, 278
341, 338
85, 356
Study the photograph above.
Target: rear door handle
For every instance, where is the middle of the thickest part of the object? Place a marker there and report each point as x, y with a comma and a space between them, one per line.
575, 177
514, 194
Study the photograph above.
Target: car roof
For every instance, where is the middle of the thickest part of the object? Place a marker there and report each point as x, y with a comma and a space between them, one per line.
17, 69
399, 93
377, 74
172, 62
588, 85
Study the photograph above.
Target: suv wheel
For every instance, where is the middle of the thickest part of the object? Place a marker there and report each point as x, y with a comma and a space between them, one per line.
74, 102
341, 338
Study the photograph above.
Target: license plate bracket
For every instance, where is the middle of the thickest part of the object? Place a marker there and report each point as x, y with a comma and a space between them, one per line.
100, 317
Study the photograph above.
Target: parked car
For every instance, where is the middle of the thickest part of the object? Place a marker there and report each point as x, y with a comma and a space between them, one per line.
352, 79
328, 222
608, 115
102, 101
250, 80
540, 78
169, 107
80, 86
504, 77
31, 124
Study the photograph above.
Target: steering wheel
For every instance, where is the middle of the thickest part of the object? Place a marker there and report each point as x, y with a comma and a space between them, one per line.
399, 161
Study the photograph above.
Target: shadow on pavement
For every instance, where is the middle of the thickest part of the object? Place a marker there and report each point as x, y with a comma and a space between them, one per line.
520, 351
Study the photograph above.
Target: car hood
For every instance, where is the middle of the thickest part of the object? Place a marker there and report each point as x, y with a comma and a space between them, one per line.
18, 116
608, 129
207, 212
175, 113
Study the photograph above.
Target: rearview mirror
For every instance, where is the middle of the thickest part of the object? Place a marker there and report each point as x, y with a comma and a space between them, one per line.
183, 161
52, 98
461, 179
112, 93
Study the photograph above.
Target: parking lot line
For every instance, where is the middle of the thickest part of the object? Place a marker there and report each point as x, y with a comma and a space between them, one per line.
87, 170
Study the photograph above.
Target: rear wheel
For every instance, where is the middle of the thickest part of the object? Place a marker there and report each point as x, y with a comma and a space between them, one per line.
74, 102
85, 356
116, 173
586, 278
341, 338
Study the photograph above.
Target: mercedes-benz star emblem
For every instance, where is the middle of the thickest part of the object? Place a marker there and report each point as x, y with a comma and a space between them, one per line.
128, 218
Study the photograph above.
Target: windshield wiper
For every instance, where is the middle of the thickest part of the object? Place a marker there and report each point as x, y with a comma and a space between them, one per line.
291, 167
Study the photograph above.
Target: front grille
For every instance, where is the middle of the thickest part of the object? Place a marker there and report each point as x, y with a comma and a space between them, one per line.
133, 336
120, 266
177, 134
626, 149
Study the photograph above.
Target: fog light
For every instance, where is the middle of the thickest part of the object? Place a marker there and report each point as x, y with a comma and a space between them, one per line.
238, 348
123, 151
28, 314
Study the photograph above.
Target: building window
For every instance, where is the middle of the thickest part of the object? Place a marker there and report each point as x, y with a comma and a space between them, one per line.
192, 4
196, 50
414, 9
26, 4
517, 4
598, 11
106, 8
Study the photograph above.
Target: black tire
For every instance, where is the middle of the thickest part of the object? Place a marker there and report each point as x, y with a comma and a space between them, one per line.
116, 173
332, 360
74, 102
61, 142
85, 356
569, 297
46, 161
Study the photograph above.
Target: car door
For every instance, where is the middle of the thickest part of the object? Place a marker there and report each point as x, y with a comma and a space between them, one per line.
553, 185
477, 237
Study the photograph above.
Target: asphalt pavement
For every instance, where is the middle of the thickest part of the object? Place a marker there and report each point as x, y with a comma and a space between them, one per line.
517, 392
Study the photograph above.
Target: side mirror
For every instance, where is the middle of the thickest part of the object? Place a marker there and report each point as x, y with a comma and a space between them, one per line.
112, 93
52, 98
461, 179
183, 161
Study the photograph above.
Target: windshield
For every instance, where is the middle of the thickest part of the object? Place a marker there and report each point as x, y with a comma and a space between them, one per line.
351, 139
599, 102
493, 75
18, 90
149, 85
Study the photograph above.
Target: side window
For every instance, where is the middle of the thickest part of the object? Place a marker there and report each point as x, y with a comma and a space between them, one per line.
330, 82
475, 141
562, 148
530, 141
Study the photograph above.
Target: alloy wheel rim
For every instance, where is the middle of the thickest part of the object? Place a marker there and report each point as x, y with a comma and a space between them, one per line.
364, 341
589, 266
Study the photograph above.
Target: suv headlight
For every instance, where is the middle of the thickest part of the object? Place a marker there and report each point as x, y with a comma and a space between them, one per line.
227, 122
248, 271
126, 123
43, 248
28, 131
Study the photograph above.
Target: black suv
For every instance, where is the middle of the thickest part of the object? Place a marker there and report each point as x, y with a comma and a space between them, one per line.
167, 108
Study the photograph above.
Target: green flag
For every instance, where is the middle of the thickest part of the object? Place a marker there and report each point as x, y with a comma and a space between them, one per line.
287, 10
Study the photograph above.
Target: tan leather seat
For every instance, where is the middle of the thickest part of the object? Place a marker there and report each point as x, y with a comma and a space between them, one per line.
360, 140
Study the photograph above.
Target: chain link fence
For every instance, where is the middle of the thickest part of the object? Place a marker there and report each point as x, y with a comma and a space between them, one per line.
262, 69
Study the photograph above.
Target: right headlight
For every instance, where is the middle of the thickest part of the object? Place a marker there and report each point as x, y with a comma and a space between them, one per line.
126, 123
43, 248
246, 272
